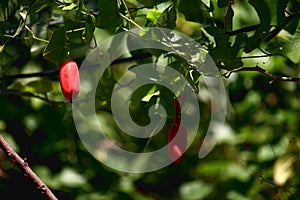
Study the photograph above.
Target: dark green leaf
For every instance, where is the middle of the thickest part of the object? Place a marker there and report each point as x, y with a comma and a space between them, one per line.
281, 7
40, 5
292, 25
88, 33
229, 19
193, 10
222, 3
151, 3
108, 17
263, 13
134, 42
56, 50
168, 18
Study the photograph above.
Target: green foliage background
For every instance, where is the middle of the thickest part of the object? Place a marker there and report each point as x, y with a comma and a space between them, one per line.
258, 156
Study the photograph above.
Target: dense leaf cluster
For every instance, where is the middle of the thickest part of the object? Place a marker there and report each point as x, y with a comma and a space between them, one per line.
258, 155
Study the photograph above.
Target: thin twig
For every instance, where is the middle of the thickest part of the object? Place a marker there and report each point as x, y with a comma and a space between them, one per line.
131, 21
266, 73
29, 75
24, 167
255, 26
243, 30
52, 73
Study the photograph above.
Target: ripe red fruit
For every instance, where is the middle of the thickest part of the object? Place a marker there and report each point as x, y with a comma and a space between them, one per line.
177, 107
177, 145
69, 79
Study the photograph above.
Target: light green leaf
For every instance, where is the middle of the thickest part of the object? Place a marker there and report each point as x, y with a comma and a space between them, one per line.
72, 6
42, 86
195, 190
152, 16
70, 178
16, 85
283, 169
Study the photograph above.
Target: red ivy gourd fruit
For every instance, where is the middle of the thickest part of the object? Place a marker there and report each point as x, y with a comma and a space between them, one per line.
177, 145
69, 79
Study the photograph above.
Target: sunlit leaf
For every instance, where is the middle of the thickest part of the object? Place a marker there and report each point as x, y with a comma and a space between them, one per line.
70, 178
42, 86
152, 16
283, 169
195, 190
72, 6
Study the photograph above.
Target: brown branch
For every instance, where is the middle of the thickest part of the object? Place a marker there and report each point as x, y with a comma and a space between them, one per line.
29, 75
242, 30
53, 73
24, 167
264, 72
255, 26
28, 94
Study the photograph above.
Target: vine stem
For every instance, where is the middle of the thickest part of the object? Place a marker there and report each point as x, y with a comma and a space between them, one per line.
131, 21
24, 167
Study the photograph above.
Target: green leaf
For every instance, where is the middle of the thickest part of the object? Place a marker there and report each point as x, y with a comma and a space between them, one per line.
264, 14
23, 14
292, 26
151, 17
229, 19
193, 10
108, 17
281, 7
88, 33
142, 92
283, 168
134, 41
195, 190
40, 5
168, 18
56, 50
42, 86
70, 178
69, 7
151, 3
222, 3
291, 50
208, 4
16, 85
